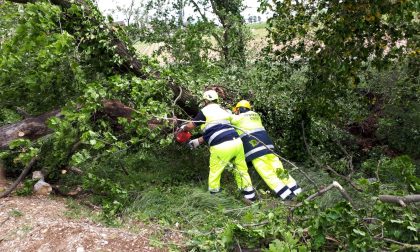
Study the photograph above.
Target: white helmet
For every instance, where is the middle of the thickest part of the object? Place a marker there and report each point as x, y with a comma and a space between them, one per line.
210, 95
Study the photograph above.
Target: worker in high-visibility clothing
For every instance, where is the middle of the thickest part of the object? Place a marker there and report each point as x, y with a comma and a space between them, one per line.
225, 145
259, 151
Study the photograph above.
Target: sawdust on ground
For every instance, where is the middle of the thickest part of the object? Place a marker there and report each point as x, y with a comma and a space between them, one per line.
42, 223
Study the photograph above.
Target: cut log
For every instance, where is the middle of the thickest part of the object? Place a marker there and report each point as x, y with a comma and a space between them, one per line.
30, 128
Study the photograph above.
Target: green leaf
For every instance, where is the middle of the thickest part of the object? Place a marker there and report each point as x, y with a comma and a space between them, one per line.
412, 228
359, 232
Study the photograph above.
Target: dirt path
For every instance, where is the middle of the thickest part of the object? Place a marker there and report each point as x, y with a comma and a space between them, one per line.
40, 224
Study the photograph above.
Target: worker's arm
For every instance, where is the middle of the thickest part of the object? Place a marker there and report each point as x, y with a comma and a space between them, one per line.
188, 127
198, 120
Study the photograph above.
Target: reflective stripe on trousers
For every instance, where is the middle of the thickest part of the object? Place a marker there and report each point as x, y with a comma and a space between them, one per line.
249, 193
282, 191
295, 188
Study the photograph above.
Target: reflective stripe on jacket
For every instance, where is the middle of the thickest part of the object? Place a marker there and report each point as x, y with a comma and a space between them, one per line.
217, 128
255, 139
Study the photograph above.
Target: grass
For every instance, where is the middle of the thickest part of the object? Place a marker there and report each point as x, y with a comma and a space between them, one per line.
168, 188
77, 211
15, 213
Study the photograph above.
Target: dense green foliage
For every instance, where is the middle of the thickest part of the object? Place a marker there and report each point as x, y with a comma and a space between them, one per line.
337, 86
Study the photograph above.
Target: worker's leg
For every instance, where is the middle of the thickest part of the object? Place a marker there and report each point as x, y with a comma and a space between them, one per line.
285, 177
268, 174
217, 165
243, 180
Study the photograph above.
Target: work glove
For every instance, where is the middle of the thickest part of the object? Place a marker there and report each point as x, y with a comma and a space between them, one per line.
181, 129
193, 144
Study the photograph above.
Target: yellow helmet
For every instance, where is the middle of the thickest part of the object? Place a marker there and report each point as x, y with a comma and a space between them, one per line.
210, 95
243, 104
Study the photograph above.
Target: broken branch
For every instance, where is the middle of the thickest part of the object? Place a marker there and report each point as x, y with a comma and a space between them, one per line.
334, 184
401, 200
20, 178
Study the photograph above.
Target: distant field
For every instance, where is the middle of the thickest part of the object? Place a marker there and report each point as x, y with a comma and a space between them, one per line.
258, 41
262, 25
146, 48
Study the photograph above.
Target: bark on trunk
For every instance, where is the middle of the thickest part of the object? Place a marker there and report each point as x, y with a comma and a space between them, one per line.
36, 127
30, 128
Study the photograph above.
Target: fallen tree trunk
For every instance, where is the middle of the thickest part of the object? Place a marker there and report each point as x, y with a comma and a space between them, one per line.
36, 127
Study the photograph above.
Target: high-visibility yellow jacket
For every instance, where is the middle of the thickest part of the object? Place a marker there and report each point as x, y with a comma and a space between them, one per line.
253, 134
215, 124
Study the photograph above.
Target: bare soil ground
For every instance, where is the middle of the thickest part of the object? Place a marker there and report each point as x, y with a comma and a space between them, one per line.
42, 223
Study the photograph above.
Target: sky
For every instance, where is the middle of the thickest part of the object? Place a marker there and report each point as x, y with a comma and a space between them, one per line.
108, 7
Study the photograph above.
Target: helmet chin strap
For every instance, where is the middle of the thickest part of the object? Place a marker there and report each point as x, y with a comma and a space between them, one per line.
207, 102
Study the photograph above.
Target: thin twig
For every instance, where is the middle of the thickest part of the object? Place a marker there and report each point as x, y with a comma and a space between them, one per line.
256, 224
404, 245
239, 246
238, 209
350, 158
174, 102
377, 171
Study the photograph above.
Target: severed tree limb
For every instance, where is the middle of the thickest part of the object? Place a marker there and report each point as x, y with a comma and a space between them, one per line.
334, 184
404, 245
30, 128
327, 167
36, 127
20, 178
402, 200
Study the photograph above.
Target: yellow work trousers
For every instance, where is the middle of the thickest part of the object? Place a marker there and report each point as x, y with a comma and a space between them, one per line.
272, 172
220, 156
